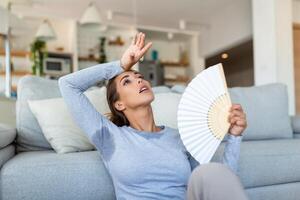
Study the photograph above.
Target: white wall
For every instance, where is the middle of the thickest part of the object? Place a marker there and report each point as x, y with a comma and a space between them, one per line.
227, 26
296, 11
3, 21
64, 35
273, 47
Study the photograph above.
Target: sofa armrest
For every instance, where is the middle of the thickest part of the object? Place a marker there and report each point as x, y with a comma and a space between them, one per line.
7, 135
296, 124
7, 153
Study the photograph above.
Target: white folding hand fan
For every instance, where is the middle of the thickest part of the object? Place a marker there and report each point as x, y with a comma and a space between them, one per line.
203, 113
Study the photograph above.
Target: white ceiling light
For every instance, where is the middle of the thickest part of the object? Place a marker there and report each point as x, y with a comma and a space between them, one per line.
103, 28
91, 16
45, 31
182, 24
170, 35
109, 15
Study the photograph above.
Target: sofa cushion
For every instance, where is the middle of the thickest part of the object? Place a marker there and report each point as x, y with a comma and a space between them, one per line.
266, 108
286, 191
267, 162
30, 136
48, 175
160, 89
57, 123
165, 107
178, 88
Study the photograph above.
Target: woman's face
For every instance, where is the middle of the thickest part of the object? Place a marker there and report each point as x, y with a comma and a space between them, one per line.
133, 89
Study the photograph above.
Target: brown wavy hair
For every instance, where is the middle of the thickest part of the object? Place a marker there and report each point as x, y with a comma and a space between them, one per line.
116, 116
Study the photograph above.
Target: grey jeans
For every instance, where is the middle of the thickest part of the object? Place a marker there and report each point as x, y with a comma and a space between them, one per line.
214, 181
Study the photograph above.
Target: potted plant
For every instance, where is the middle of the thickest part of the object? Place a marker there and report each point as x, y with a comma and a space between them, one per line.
37, 54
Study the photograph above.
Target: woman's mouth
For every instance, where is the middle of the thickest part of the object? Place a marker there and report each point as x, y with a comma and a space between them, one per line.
143, 89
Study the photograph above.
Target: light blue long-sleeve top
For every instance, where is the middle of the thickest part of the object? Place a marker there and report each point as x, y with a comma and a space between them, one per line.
142, 165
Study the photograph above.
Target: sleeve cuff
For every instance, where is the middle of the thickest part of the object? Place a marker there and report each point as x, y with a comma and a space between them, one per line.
234, 138
117, 66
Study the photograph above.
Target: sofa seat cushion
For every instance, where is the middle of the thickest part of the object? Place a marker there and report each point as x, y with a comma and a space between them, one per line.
48, 175
267, 162
287, 191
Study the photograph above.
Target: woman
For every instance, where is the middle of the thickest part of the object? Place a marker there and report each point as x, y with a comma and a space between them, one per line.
145, 161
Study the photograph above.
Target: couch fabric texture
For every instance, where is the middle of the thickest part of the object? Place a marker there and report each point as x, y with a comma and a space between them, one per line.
269, 159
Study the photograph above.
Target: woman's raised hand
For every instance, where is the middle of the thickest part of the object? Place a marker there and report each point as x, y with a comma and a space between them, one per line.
135, 51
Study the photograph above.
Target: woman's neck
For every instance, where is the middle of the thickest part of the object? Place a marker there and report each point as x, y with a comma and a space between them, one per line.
142, 119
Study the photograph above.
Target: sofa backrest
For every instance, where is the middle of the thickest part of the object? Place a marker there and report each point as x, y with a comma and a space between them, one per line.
30, 136
266, 108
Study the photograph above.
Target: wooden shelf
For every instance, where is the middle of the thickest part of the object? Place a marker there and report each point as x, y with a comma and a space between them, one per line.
16, 73
175, 64
181, 79
116, 43
15, 53
88, 59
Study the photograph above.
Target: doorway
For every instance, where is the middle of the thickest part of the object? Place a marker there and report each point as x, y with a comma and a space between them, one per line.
296, 37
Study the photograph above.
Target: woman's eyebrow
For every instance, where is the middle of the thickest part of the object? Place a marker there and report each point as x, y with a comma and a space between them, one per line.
135, 72
124, 77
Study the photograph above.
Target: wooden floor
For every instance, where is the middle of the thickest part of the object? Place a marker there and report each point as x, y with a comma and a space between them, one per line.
8, 111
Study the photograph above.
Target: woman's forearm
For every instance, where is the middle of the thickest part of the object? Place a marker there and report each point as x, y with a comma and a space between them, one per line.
232, 152
85, 78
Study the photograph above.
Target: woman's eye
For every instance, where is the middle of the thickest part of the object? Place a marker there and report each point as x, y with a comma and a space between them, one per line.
141, 76
126, 81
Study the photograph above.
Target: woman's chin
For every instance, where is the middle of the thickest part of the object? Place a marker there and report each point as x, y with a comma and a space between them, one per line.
147, 98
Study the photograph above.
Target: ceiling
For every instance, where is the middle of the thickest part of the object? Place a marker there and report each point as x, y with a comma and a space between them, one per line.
158, 13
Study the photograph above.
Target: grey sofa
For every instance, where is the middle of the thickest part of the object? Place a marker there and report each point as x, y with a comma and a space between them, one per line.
30, 168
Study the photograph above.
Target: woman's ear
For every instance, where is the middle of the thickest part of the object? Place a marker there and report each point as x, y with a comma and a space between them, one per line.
119, 105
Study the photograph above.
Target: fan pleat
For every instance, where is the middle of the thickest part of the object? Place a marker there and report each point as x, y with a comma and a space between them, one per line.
197, 147
209, 154
197, 130
196, 104
205, 99
194, 137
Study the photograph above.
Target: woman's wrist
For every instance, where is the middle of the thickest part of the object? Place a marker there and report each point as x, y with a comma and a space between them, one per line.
122, 64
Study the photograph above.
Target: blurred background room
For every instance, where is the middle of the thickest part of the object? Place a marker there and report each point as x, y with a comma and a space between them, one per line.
257, 41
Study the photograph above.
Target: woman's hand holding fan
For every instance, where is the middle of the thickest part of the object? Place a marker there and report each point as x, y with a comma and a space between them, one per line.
237, 119
205, 114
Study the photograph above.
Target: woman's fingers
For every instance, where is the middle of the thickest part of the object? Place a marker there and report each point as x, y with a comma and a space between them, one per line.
134, 39
142, 42
237, 121
237, 113
236, 107
138, 43
242, 123
145, 49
